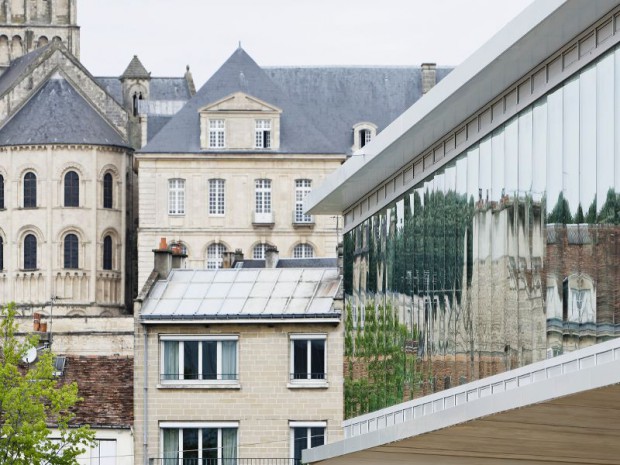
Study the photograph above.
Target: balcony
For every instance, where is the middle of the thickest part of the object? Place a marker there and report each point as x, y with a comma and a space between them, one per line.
266, 219
238, 461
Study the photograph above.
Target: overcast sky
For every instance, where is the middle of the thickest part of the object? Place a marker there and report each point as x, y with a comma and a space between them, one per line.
169, 34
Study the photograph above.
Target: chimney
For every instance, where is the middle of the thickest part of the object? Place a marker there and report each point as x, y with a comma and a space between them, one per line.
340, 260
227, 259
178, 257
271, 257
238, 256
163, 259
429, 76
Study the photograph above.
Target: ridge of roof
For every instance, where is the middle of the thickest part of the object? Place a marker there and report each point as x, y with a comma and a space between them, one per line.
135, 70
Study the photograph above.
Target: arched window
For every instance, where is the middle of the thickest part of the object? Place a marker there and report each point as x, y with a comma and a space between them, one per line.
1, 254
1, 192
259, 251
107, 253
214, 256
30, 190
71, 251
30, 252
108, 195
72, 189
303, 251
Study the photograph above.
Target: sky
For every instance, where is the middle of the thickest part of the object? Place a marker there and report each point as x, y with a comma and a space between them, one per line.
167, 35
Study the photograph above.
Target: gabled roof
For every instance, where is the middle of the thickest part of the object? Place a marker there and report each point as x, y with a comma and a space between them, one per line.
58, 114
20, 65
135, 70
240, 73
240, 294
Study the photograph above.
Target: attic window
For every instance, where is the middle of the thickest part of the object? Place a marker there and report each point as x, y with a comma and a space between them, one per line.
365, 137
263, 134
59, 365
363, 133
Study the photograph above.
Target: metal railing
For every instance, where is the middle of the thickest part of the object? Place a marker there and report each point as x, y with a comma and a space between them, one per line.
166, 377
308, 376
211, 461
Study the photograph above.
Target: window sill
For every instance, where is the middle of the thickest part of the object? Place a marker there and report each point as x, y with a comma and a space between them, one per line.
303, 224
199, 385
308, 384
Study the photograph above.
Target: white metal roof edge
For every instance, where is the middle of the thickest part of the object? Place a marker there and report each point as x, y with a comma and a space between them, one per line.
234, 321
579, 371
502, 56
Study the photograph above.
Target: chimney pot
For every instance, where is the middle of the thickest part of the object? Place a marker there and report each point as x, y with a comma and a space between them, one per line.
163, 245
429, 76
271, 257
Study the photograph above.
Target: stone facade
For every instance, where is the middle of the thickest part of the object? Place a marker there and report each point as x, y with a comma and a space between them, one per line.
262, 404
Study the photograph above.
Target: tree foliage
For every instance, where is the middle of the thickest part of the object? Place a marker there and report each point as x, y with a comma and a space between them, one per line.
32, 402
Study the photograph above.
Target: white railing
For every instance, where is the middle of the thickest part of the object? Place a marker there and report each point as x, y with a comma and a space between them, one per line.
595, 355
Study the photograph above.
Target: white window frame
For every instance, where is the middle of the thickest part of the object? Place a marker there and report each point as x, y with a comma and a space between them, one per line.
217, 134
181, 360
308, 381
176, 196
262, 195
262, 135
217, 196
95, 456
199, 425
305, 424
304, 248
213, 262
302, 188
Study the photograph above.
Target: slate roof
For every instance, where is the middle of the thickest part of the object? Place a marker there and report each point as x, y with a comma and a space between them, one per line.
161, 88
106, 385
291, 263
240, 73
319, 105
242, 294
58, 114
135, 70
18, 66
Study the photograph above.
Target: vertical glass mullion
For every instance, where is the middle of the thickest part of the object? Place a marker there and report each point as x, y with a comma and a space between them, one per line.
181, 370
218, 363
200, 361
309, 360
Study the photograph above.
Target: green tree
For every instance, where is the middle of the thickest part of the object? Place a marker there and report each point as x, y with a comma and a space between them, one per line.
31, 402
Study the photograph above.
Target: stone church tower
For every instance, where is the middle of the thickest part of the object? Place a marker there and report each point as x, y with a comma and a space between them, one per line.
26, 25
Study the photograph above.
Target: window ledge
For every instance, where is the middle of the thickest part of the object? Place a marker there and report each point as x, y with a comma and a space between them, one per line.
308, 385
303, 224
199, 386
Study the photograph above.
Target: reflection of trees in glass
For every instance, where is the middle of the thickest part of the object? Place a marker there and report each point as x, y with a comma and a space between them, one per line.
609, 214
348, 249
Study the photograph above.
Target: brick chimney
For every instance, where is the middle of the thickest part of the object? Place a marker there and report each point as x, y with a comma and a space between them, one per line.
178, 257
162, 259
429, 76
271, 257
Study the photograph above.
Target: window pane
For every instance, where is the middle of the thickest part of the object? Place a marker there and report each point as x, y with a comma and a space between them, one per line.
300, 359
229, 359
171, 446
171, 360
1, 192
190, 446
300, 441
72, 189
30, 252
107, 191
317, 436
1, 254
209, 446
71, 251
30, 190
318, 358
107, 253
190, 364
229, 446
209, 360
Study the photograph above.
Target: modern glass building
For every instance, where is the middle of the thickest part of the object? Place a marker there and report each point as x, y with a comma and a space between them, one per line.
482, 229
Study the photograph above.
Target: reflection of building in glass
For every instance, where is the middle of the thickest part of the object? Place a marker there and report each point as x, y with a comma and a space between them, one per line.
494, 248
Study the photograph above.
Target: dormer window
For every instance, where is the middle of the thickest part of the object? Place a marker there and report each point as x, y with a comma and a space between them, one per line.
263, 134
363, 133
216, 134
365, 136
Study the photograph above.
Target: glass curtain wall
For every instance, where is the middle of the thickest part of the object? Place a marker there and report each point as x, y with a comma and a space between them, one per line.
508, 255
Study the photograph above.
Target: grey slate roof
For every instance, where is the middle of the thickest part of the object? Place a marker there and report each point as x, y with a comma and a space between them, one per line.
135, 70
161, 88
58, 114
242, 294
291, 263
319, 105
18, 66
240, 73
